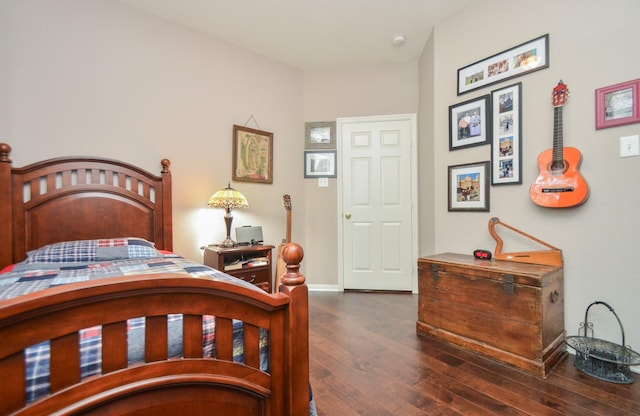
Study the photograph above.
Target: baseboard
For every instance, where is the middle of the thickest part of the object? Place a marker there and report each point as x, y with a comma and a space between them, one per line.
324, 288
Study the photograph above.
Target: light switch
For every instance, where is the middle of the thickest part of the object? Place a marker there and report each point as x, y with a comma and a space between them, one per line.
630, 146
323, 182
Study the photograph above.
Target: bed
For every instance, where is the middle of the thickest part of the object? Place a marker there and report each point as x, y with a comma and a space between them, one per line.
62, 200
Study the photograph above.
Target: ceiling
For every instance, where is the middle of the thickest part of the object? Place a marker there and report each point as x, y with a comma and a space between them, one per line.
313, 34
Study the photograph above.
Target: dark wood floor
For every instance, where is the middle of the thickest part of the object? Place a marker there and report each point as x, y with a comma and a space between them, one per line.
365, 359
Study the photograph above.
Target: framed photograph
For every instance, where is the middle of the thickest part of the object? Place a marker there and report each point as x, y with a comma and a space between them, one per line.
506, 145
519, 60
320, 164
618, 104
320, 135
252, 155
470, 123
469, 187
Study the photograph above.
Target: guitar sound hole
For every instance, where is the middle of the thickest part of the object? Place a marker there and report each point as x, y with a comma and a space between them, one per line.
558, 167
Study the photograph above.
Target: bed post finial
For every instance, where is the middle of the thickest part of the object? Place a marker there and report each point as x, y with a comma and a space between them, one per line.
165, 165
292, 254
5, 149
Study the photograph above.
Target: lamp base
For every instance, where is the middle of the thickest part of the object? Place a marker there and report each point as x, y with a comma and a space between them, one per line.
228, 242
228, 218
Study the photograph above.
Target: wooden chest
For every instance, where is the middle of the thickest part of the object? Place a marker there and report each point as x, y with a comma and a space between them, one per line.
511, 312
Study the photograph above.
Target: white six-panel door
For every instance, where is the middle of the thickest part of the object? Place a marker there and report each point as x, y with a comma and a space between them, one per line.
377, 180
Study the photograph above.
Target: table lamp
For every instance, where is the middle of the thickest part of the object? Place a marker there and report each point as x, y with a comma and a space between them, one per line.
228, 198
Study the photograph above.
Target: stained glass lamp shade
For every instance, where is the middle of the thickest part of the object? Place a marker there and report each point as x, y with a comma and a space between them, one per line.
228, 198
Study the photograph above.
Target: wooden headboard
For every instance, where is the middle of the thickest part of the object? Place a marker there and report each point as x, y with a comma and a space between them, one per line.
74, 198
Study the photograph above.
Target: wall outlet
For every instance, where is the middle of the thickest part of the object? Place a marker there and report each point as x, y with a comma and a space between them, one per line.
630, 146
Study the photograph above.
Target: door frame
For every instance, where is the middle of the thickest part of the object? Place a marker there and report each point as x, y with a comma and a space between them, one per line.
412, 118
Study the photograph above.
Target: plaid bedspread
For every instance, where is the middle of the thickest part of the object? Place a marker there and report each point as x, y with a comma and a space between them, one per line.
28, 278
31, 277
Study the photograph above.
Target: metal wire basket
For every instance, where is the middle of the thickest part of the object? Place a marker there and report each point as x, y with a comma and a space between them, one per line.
599, 358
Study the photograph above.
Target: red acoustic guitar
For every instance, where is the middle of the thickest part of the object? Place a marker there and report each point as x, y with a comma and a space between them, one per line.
559, 184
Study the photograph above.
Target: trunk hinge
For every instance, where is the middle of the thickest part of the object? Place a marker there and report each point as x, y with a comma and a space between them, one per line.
434, 272
508, 284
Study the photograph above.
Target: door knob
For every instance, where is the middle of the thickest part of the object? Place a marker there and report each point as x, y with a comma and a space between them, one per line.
347, 215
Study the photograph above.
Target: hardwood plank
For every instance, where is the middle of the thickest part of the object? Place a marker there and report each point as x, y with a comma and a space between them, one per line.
366, 359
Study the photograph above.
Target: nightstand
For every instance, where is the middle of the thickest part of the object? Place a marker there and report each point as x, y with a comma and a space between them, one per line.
249, 263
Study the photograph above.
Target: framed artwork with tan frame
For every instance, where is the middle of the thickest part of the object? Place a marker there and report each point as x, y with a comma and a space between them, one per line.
320, 135
252, 155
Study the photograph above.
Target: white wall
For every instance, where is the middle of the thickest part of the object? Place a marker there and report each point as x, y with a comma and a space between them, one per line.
426, 152
329, 95
100, 78
592, 45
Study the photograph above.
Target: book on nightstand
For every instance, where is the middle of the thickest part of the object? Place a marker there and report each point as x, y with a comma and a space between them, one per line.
257, 261
236, 265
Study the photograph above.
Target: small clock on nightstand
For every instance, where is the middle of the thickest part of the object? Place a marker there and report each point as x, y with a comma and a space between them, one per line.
249, 263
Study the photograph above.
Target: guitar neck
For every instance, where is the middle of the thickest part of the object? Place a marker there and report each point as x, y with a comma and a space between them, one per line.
558, 157
286, 202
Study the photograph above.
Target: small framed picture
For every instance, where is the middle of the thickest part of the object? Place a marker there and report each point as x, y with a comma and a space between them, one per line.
618, 104
469, 187
320, 164
506, 145
320, 135
470, 123
252, 155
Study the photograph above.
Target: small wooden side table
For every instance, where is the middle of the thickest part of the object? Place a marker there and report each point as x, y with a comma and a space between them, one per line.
250, 263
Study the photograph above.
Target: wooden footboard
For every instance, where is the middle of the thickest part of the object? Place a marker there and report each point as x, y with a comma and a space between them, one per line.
191, 384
